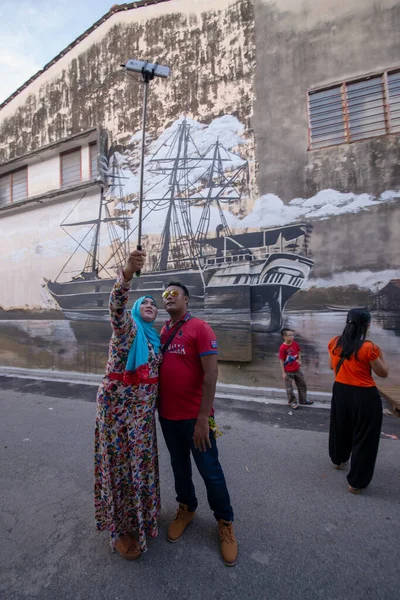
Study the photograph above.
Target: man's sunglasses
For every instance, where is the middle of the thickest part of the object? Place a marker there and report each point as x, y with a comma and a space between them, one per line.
173, 293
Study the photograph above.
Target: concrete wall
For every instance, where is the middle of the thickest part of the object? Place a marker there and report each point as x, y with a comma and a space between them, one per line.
241, 70
44, 176
34, 247
308, 44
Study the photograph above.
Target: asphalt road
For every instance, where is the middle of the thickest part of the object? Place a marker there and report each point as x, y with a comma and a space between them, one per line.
301, 534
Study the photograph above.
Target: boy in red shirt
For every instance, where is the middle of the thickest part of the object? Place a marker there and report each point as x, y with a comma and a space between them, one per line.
290, 360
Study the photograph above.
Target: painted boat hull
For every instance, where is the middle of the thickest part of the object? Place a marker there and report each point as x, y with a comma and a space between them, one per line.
237, 288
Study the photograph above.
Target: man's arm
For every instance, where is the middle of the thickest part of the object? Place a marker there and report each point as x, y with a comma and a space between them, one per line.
299, 358
201, 435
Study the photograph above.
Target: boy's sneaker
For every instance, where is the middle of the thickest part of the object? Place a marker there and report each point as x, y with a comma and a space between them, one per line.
307, 402
293, 405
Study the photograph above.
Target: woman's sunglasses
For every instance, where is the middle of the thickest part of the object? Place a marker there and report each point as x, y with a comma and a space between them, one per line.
173, 293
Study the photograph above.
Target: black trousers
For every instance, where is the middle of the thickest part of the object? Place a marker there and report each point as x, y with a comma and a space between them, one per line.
355, 428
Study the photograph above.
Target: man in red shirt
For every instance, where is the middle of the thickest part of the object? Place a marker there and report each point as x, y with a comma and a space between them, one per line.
188, 378
290, 361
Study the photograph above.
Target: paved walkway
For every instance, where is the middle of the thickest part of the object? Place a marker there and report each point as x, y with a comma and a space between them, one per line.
301, 535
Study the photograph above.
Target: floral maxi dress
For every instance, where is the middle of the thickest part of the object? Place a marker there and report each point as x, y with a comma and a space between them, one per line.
127, 489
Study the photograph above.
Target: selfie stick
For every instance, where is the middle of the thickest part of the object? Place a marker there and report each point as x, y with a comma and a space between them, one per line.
148, 72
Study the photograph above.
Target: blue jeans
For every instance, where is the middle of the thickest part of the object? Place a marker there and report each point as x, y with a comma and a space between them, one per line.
178, 436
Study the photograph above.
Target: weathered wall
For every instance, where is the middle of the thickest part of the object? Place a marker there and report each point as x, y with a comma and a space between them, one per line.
34, 247
251, 63
209, 46
365, 240
307, 44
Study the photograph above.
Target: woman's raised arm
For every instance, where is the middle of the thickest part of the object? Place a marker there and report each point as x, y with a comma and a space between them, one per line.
120, 318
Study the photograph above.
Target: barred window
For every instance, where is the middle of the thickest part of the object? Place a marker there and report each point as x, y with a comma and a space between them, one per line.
326, 118
14, 186
354, 110
70, 167
394, 101
93, 162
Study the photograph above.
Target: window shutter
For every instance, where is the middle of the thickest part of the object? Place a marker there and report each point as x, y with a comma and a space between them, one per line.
14, 187
5, 189
70, 168
326, 118
394, 101
366, 108
355, 110
94, 167
19, 185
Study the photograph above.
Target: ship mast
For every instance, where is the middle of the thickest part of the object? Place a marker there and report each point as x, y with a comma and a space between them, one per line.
176, 197
92, 265
178, 163
166, 234
203, 226
219, 188
95, 268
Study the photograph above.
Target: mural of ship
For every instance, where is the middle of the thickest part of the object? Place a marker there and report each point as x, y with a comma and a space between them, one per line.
227, 273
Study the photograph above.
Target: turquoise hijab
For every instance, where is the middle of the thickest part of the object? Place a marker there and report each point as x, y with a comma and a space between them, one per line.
145, 332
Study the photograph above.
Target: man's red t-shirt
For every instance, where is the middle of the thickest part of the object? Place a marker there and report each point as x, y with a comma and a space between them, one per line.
181, 373
290, 356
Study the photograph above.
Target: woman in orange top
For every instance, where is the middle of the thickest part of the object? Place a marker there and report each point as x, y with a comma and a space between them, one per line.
356, 412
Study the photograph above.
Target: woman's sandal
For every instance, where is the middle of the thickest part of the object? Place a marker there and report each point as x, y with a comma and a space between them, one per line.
354, 490
341, 466
128, 547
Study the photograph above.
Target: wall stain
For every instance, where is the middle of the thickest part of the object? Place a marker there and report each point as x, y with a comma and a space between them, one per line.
212, 58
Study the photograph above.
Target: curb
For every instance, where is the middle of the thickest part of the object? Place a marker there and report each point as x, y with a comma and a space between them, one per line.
225, 391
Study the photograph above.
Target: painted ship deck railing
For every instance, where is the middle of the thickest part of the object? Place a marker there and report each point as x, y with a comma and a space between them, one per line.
222, 261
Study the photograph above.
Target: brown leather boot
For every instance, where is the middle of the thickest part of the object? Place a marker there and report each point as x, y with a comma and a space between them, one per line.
182, 519
229, 548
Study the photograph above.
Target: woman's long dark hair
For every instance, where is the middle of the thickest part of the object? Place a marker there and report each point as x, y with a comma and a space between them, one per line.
354, 333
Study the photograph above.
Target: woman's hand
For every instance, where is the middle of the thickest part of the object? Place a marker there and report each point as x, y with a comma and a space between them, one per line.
134, 263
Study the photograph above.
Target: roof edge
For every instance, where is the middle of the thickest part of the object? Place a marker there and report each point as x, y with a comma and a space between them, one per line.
113, 10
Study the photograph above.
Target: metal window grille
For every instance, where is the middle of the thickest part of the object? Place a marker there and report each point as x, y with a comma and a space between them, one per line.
93, 157
394, 101
19, 185
5, 189
365, 107
71, 171
14, 187
354, 110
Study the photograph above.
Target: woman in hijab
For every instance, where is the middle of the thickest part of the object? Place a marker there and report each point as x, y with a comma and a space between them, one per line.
356, 412
127, 493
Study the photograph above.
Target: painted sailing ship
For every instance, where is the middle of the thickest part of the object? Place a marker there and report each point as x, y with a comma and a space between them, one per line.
226, 273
